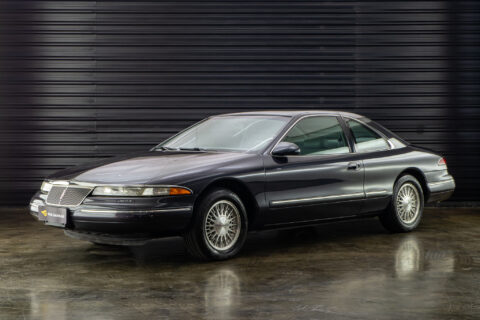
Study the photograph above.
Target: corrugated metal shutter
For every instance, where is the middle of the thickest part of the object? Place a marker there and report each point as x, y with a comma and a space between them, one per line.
89, 79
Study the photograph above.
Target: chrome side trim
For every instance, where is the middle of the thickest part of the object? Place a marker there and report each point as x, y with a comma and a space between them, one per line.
340, 196
433, 184
136, 211
375, 193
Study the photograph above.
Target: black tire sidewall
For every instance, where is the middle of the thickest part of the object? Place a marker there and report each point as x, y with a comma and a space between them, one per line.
400, 182
200, 215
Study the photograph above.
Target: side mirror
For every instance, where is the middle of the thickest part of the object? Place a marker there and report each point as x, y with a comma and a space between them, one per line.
286, 149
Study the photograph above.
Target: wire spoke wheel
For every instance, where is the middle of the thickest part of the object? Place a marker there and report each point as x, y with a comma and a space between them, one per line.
222, 225
408, 203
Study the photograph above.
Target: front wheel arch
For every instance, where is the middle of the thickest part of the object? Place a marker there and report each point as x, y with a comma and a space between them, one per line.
196, 236
237, 187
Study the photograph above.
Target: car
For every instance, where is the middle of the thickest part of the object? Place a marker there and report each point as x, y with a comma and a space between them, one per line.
233, 173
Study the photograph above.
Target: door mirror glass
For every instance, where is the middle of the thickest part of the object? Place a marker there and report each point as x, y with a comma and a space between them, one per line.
286, 149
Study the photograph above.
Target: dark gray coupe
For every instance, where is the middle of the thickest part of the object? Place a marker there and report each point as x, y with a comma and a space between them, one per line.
233, 173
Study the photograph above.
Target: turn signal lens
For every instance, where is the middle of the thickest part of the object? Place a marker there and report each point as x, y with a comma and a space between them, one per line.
442, 162
179, 191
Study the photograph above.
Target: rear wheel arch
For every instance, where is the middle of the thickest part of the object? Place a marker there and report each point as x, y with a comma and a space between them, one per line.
404, 206
417, 174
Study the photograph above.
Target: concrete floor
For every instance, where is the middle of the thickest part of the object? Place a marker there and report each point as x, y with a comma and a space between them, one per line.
351, 270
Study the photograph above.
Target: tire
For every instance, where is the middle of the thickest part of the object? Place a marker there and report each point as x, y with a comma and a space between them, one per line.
219, 227
404, 216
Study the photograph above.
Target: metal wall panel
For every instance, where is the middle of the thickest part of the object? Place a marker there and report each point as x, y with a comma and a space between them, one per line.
82, 80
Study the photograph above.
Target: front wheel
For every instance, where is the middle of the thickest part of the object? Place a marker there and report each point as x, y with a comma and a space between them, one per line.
219, 226
406, 208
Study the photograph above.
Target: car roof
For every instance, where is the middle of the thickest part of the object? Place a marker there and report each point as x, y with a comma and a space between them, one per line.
293, 113
300, 113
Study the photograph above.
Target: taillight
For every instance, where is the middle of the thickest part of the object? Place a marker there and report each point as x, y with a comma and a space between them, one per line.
442, 162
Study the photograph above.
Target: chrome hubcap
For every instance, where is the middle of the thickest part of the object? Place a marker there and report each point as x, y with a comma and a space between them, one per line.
408, 203
222, 225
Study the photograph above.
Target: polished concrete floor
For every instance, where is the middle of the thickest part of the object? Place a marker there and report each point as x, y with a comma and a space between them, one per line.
351, 270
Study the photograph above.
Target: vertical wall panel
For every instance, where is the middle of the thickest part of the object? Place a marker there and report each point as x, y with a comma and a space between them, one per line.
88, 79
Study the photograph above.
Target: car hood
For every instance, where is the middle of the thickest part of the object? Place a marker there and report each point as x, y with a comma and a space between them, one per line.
155, 167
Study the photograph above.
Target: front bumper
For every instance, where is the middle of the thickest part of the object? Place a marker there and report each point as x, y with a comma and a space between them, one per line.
155, 216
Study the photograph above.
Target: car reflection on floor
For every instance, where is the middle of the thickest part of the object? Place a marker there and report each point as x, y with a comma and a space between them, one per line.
340, 270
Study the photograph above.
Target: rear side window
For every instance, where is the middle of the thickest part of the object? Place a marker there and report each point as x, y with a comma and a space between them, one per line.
318, 136
366, 140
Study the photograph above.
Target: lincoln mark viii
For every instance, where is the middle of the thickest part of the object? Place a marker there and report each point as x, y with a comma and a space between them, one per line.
233, 173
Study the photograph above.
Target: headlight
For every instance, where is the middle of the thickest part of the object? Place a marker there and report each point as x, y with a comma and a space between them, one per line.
139, 191
46, 187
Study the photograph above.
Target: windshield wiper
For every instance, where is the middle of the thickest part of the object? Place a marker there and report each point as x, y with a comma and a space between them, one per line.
182, 149
192, 149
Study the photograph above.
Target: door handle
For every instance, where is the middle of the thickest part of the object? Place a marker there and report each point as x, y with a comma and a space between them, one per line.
353, 165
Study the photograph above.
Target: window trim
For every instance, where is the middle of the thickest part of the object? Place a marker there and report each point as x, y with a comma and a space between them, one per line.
336, 116
384, 137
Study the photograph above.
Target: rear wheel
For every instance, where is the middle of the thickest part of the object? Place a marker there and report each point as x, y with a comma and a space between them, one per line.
219, 226
406, 208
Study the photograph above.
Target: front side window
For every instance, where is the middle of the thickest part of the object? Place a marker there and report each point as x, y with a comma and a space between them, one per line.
318, 136
229, 133
366, 140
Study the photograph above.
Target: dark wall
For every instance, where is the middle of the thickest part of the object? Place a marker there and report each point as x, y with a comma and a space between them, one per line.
82, 80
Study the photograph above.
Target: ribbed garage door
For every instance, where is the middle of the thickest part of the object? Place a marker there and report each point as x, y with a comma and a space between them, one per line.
83, 80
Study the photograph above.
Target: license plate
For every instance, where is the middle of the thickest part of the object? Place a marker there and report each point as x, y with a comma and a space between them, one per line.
54, 216
42, 213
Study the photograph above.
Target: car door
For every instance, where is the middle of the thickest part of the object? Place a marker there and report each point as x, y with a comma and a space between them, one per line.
324, 181
379, 162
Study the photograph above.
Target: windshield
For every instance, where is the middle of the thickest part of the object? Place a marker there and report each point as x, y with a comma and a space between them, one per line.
228, 133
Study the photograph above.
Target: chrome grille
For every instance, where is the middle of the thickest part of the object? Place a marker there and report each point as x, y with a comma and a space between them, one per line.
69, 196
